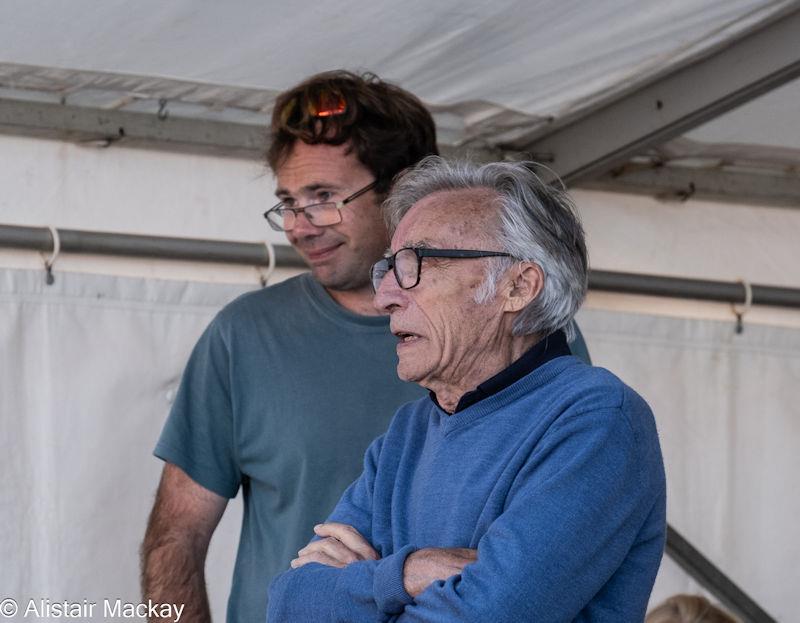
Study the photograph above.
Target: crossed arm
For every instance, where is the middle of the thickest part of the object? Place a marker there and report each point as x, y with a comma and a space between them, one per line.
570, 521
350, 582
340, 545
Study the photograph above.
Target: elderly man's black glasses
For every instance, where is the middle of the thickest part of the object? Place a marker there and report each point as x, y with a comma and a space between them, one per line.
283, 218
407, 263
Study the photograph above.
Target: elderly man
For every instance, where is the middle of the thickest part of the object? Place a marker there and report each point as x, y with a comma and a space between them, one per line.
528, 486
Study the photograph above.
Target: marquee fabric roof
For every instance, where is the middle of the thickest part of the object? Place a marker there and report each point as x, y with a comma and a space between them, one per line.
501, 76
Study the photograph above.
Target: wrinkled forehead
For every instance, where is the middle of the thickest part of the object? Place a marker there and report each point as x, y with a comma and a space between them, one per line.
452, 218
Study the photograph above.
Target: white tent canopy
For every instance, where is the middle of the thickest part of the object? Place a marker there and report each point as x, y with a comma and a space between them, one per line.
541, 59
692, 102
505, 75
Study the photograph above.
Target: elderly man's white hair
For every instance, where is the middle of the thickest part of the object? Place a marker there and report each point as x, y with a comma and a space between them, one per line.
538, 223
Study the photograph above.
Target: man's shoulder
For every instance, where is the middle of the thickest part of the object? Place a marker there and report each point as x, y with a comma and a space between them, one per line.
593, 387
286, 292
601, 396
284, 297
597, 402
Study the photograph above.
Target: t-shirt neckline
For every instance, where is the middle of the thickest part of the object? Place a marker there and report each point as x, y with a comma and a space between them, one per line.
325, 303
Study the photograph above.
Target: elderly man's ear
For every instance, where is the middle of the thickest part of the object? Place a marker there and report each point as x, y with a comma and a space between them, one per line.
524, 282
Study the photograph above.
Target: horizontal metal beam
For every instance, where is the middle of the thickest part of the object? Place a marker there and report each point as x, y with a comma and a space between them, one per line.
605, 137
699, 289
105, 127
746, 155
253, 253
712, 579
681, 183
155, 247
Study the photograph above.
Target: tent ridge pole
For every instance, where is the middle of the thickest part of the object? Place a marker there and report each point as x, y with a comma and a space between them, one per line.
255, 254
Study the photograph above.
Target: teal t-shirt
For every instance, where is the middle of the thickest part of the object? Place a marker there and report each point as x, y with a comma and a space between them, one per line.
282, 395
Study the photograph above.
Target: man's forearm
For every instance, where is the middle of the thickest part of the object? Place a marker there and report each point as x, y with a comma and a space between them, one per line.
426, 566
184, 517
173, 573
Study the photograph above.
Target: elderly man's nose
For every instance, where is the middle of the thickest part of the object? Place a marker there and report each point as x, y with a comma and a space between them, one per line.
389, 294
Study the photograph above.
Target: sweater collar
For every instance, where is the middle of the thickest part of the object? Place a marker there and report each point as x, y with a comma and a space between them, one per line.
546, 349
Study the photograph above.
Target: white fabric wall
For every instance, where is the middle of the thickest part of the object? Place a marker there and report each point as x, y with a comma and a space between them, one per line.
90, 364
729, 421
133, 191
88, 369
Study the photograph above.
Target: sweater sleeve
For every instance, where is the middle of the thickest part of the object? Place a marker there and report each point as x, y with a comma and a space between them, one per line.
370, 590
571, 517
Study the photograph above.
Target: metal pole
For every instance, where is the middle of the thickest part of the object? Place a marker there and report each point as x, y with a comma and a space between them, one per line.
678, 287
255, 254
704, 571
159, 247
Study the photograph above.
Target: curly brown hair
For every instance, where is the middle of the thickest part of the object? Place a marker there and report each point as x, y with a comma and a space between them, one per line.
388, 128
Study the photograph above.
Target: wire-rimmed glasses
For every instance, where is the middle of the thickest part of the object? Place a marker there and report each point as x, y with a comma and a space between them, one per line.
283, 218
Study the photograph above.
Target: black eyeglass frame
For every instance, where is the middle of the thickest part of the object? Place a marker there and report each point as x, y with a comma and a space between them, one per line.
279, 208
421, 252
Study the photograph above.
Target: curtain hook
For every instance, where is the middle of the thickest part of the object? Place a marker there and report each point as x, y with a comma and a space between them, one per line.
740, 310
50, 261
264, 276
163, 113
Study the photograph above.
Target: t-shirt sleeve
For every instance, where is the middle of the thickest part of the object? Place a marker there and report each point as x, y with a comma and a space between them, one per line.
198, 436
577, 345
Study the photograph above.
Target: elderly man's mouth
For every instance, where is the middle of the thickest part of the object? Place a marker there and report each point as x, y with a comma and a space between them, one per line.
404, 338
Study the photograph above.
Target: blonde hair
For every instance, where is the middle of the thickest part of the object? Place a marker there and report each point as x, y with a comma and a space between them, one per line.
688, 609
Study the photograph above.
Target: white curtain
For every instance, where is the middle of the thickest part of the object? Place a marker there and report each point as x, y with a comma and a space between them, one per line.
728, 415
89, 366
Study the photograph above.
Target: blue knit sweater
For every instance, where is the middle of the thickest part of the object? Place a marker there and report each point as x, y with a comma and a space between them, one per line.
558, 482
